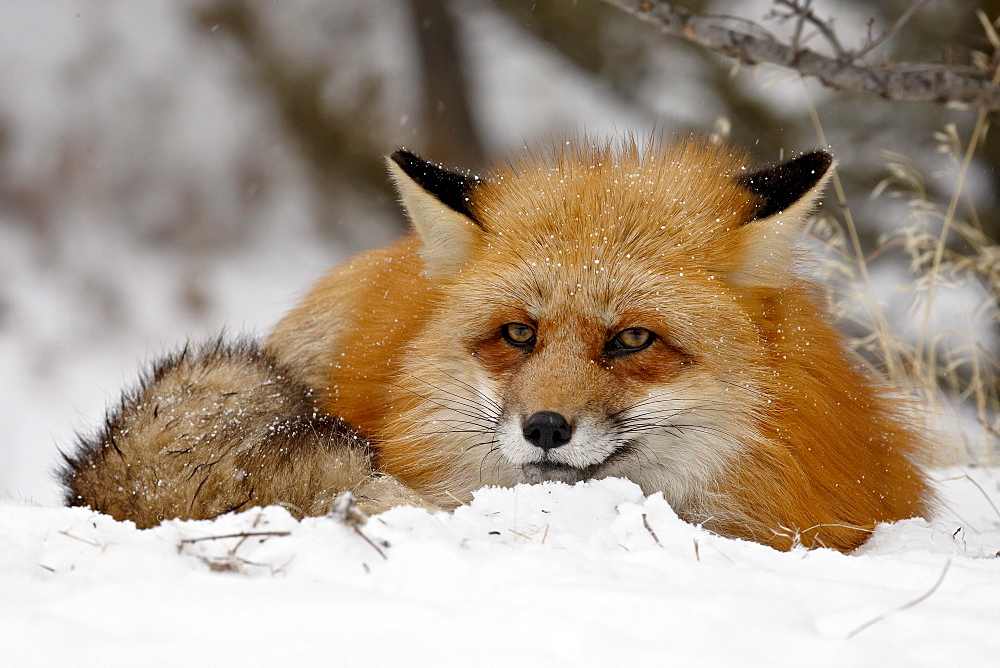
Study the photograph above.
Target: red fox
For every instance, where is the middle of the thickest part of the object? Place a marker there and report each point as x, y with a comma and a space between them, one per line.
593, 311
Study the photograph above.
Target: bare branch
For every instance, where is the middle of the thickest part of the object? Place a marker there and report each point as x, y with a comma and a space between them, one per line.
938, 84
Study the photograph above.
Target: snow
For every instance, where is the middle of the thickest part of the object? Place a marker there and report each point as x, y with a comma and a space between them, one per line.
547, 574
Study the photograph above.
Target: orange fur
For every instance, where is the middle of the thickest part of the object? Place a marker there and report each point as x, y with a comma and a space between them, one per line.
746, 411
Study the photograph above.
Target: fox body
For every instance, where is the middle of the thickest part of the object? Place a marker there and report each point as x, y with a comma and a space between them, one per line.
597, 311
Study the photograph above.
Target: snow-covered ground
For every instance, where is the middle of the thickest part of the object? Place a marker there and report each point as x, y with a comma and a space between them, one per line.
595, 574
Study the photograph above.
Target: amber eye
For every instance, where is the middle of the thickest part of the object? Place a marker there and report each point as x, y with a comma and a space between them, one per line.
629, 341
518, 334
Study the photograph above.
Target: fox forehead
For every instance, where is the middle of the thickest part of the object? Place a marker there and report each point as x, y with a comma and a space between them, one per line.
593, 198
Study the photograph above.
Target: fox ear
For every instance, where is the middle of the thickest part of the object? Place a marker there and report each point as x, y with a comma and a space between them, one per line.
785, 194
436, 201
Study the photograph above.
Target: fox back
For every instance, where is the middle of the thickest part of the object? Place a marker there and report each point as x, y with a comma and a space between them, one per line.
613, 311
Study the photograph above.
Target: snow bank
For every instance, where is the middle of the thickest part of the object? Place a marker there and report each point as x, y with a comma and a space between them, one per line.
545, 574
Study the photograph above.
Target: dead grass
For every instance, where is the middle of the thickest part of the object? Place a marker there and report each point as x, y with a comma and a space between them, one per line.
955, 361
944, 347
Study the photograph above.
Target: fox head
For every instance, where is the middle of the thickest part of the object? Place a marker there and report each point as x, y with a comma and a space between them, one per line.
598, 311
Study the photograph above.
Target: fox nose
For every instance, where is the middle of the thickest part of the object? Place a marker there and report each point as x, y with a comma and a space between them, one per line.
547, 430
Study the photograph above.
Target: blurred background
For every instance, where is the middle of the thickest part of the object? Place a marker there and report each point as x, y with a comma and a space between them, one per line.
170, 169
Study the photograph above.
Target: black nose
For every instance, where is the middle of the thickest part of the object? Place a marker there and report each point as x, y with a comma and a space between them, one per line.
547, 430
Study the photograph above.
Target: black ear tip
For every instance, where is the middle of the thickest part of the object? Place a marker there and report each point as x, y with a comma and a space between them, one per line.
780, 186
816, 161
451, 188
404, 158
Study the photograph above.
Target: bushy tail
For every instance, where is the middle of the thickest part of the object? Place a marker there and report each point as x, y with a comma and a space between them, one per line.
210, 430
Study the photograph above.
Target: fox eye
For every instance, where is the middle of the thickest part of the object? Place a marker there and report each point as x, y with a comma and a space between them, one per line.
518, 334
629, 341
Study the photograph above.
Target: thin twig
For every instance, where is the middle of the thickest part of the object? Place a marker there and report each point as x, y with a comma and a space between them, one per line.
804, 13
799, 25
982, 491
346, 511
455, 498
242, 535
905, 606
82, 540
891, 31
652, 533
